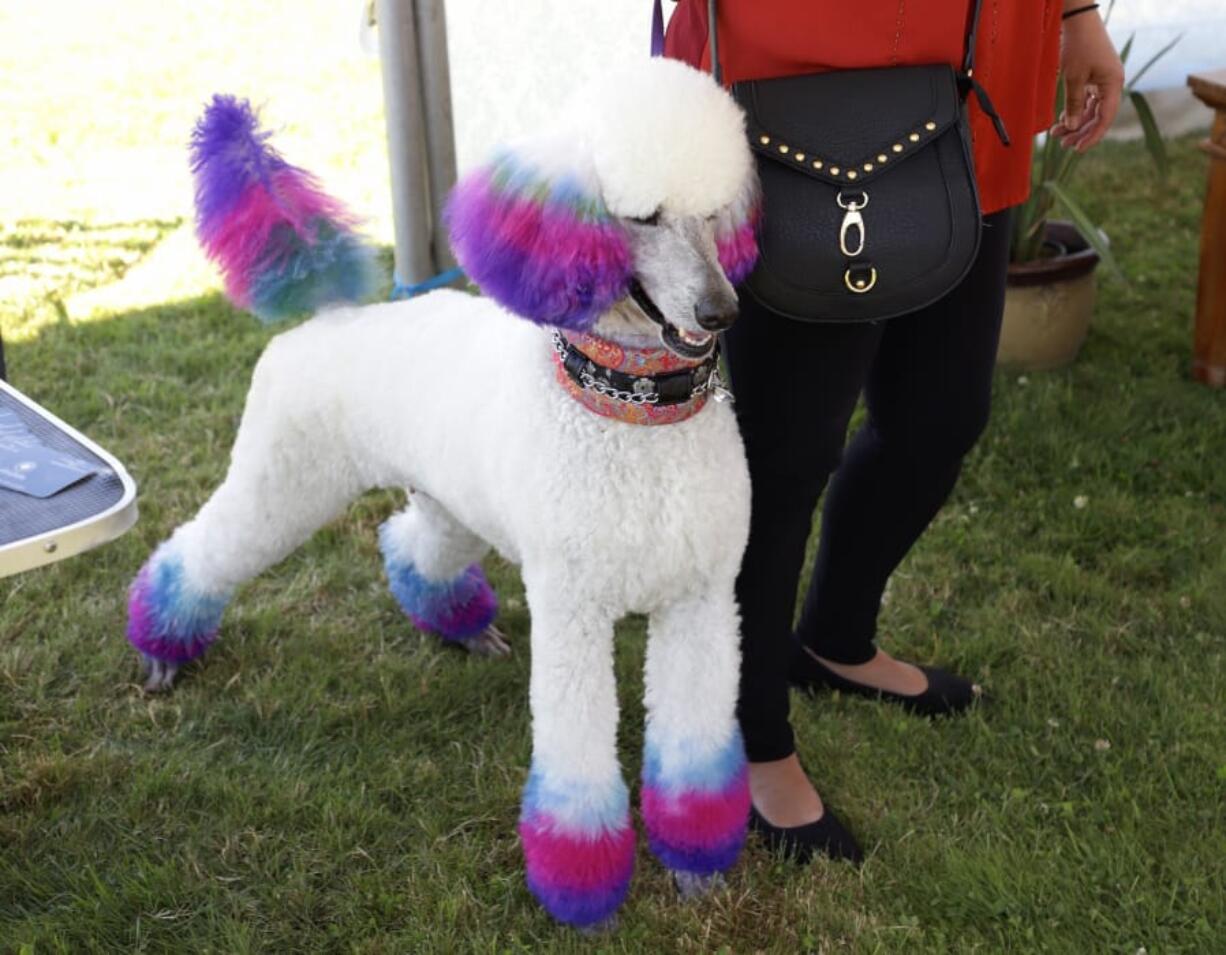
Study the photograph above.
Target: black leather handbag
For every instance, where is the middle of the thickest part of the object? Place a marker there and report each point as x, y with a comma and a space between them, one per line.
870, 208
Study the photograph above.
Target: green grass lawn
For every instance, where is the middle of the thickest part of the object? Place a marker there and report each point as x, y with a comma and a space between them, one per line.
332, 781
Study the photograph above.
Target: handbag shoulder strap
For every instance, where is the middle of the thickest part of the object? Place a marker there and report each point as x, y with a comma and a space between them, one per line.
966, 78
657, 29
657, 37
972, 31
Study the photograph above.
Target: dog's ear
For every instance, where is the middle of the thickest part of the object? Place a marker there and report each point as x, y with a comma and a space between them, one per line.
736, 233
541, 243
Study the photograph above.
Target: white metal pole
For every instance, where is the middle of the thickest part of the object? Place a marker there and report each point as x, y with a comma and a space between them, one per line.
402, 106
431, 22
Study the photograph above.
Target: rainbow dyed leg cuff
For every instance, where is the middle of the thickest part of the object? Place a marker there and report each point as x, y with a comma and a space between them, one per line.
168, 618
696, 810
578, 848
454, 609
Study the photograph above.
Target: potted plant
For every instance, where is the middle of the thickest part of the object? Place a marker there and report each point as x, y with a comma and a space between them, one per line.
1050, 295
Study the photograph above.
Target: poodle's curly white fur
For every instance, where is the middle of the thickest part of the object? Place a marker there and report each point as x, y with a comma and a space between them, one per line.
451, 396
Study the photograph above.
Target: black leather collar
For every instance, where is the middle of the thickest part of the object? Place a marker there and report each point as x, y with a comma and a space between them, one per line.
672, 388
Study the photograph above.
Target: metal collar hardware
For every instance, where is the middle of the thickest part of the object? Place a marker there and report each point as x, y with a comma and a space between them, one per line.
643, 390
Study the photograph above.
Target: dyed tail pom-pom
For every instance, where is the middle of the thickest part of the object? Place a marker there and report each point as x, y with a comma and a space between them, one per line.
284, 247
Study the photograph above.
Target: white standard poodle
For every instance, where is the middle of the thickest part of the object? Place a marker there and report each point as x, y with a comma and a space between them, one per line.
590, 445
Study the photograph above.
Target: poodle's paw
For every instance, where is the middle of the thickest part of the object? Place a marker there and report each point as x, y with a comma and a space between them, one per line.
580, 879
599, 929
578, 844
695, 804
692, 885
458, 610
170, 618
159, 674
490, 642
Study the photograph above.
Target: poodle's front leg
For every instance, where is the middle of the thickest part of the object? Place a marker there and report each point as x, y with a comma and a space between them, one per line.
695, 797
575, 822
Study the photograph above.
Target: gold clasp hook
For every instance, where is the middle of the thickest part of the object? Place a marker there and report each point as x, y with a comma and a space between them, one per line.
852, 220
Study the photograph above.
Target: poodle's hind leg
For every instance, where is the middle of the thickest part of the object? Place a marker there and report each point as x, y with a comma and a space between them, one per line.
695, 795
282, 486
433, 571
575, 823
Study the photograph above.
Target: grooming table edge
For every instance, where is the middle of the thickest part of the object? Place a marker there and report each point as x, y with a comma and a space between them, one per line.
54, 545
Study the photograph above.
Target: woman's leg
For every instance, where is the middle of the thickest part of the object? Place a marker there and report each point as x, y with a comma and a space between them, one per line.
928, 396
796, 385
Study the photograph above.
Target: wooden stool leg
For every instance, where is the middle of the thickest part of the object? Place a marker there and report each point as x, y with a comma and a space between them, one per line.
1209, 344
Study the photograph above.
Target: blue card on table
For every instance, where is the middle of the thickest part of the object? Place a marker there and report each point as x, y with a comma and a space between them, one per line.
30, 467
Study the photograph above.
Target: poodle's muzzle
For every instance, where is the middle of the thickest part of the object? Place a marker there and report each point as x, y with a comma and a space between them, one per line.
679, 284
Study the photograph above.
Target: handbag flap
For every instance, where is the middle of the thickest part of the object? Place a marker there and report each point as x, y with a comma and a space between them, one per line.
849, 125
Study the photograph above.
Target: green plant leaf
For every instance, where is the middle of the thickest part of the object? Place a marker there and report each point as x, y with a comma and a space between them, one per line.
1154, 142
1086, 227
1069, 161
1150, 62
1126, 48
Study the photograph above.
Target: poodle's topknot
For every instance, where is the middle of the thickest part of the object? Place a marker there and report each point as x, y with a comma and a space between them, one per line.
662, 134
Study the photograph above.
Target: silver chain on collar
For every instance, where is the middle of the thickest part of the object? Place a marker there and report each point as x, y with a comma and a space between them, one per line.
644, 393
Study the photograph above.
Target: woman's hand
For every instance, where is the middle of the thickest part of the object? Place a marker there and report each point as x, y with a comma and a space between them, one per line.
1093, 81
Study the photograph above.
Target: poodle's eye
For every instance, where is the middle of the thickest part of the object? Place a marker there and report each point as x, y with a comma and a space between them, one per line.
653, 219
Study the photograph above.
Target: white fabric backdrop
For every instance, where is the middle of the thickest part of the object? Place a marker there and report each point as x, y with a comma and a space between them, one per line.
514, 61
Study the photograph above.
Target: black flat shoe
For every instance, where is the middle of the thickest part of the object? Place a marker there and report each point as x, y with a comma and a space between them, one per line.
945, 695
827, 837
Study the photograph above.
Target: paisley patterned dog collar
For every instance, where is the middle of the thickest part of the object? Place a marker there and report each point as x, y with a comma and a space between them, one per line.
635, 385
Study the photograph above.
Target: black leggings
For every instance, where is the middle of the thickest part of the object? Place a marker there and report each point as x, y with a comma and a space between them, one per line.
927, 381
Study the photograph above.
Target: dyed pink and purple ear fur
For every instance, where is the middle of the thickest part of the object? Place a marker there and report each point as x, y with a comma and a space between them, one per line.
550, 251
284, 247
737, 244
547, 250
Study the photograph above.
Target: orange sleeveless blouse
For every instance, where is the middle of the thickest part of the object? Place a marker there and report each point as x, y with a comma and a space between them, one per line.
1016, 59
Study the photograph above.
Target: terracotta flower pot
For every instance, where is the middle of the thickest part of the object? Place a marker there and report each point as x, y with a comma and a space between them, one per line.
1049, 303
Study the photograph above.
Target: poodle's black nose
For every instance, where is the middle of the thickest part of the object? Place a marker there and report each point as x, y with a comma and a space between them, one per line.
714, 316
